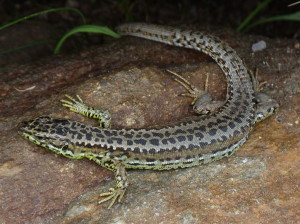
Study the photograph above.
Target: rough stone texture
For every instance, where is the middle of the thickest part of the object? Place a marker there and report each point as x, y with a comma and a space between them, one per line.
258, 184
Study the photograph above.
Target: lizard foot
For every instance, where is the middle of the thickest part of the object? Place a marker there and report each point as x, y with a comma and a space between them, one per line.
265, 105
113, 195
77, 106
202, 100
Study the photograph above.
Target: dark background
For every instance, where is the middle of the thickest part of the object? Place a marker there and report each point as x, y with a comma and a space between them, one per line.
217, 14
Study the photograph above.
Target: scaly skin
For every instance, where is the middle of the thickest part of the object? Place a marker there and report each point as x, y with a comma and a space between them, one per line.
186, 144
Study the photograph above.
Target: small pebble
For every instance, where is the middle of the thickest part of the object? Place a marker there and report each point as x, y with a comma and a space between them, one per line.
260, 45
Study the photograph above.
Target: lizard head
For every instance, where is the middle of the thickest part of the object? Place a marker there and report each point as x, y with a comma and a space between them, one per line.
49, 133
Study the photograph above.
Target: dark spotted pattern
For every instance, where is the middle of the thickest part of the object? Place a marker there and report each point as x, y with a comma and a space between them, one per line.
186, 144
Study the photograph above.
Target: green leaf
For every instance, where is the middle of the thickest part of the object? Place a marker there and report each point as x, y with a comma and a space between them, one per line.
252, 14
40, 13
289, 17
86, 29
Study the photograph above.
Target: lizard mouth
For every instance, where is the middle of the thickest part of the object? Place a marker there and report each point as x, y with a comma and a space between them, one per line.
24, 127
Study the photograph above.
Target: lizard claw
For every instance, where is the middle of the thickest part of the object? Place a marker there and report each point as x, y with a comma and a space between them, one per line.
113, 195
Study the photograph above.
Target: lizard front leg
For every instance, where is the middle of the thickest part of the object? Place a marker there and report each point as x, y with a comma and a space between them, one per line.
116, 193
78, 106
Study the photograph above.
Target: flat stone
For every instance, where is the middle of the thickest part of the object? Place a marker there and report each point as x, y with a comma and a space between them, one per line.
258, 184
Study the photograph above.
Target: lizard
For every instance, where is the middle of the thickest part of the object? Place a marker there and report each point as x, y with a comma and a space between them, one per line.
218, 131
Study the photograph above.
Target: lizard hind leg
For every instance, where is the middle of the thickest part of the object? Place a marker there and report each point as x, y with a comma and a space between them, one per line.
202, 100
265, 105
